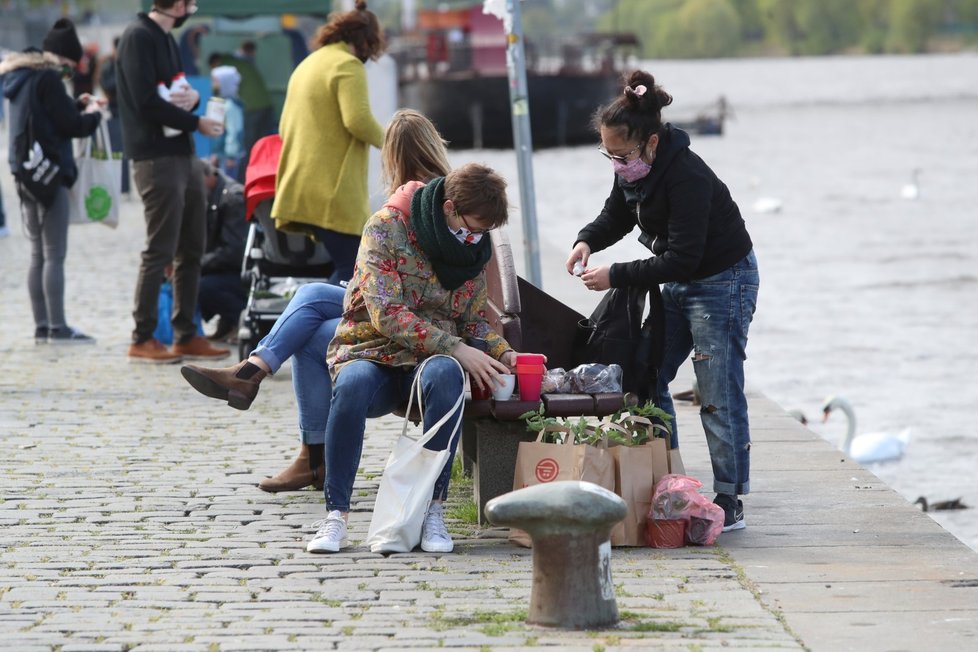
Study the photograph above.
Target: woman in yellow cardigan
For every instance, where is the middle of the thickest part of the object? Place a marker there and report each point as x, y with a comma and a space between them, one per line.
327, 130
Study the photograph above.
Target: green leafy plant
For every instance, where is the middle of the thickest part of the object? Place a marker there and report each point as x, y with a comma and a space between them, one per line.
639, 432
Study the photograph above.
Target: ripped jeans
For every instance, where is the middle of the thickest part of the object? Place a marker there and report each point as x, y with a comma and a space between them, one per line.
710, 317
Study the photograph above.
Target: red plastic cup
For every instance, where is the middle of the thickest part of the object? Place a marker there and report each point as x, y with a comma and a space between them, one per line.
529, 384
531, 358
480, 394
529, 368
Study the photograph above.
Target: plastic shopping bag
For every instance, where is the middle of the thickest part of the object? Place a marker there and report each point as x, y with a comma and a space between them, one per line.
94, 198
409, 480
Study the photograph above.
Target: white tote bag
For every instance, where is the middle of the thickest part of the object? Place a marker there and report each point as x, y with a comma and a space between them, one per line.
94, 198
409, 480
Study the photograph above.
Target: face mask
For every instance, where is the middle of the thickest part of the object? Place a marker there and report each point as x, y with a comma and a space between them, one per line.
178, 22
466, 237
633, 170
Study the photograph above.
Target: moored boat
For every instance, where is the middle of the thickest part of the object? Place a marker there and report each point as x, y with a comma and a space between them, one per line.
452, 68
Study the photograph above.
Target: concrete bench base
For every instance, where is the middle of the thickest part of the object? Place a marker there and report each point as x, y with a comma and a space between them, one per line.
489, 450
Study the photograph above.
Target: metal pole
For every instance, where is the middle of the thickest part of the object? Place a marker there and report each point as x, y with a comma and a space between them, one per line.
523, 141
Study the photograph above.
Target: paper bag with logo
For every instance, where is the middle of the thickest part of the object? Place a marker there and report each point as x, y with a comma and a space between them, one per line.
637, 469
538, 462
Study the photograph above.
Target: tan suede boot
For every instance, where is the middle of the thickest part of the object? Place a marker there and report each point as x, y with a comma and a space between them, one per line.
295, 476
238, 385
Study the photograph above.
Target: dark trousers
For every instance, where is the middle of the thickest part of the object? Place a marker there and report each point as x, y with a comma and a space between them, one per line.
222, 293
174, 202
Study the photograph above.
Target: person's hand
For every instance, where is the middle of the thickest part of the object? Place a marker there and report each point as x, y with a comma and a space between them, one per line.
597, 279
92, 107
185, 98
483, 369
87, 99
581, 252
509, 359
210, 127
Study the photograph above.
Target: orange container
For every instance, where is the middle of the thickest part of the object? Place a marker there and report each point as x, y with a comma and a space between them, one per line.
665, 534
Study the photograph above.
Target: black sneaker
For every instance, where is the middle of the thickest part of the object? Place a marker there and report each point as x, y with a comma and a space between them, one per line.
68, 335
733, 512
41, 335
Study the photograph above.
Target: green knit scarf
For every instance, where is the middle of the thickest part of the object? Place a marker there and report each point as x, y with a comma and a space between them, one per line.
454, 262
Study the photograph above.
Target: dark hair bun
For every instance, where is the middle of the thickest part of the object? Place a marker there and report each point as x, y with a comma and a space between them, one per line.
361, 5
643, 93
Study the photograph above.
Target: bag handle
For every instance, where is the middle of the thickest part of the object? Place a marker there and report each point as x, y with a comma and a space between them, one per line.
554, 427
429, 434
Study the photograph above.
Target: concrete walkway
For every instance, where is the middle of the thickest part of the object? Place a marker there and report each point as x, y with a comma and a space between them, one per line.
130, 520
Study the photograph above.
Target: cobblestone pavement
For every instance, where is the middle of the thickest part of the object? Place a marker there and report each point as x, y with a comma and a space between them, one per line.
130, 519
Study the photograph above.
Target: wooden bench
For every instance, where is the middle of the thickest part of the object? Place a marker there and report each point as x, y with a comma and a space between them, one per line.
534, 322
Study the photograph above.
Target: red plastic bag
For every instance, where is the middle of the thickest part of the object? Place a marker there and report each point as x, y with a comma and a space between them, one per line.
676, 497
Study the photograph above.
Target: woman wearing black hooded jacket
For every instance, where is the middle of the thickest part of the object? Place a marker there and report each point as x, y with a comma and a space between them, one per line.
33, 84
702, 256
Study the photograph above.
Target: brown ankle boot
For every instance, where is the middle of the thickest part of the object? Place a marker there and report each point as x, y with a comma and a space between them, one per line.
295, 476
238, 385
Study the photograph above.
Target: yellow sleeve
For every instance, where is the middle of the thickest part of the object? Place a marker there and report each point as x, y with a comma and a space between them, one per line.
354, 103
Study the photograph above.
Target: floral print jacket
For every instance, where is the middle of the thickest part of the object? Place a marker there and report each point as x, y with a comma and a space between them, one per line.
395, 311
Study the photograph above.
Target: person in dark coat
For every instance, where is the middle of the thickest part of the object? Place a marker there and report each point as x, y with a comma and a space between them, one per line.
702, 256
221, 291
156, 106
33, 84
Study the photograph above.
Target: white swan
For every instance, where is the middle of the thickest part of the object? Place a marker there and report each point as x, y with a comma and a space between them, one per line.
870, 447
912, 189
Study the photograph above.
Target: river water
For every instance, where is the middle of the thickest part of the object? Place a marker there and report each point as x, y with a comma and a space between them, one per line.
864, 294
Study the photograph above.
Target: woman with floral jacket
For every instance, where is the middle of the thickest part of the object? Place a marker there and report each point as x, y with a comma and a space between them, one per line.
418, 290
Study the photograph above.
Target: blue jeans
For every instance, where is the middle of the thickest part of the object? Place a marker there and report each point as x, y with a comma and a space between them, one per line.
367, 389
303, 332
710, 317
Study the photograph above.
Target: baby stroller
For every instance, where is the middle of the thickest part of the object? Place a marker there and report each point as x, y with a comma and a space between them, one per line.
275, 263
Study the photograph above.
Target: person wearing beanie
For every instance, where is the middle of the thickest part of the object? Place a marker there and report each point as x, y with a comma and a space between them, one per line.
32, 81
156, 106
63, 41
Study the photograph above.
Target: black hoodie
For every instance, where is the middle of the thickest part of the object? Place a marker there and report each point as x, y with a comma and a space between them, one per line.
33, 78
685, 213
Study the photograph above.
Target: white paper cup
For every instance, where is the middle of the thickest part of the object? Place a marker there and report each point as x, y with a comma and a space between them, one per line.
505, 391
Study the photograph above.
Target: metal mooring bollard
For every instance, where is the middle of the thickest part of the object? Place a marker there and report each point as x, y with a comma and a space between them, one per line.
570, 524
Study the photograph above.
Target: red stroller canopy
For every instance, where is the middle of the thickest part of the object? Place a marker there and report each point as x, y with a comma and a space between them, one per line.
261, 171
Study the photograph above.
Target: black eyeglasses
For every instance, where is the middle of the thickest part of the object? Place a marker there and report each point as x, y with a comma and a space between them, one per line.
465, 223
615, 157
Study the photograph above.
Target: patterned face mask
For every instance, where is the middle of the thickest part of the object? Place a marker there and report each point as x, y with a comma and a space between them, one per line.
465, 236
632, 170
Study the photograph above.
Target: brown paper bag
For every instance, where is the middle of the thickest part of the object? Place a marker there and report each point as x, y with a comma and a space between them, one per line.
637, 469
538, 462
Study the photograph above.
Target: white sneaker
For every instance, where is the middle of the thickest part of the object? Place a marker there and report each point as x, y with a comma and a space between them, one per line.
331, 535
434, 536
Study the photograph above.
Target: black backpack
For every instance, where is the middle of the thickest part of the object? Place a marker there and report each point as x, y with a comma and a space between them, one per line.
616, 334
36, 171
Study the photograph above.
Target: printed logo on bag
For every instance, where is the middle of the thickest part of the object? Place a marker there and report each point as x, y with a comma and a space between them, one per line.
547, 470
98, 203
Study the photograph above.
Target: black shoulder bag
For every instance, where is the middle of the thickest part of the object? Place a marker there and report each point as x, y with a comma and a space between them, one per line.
616, 334
37, 173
